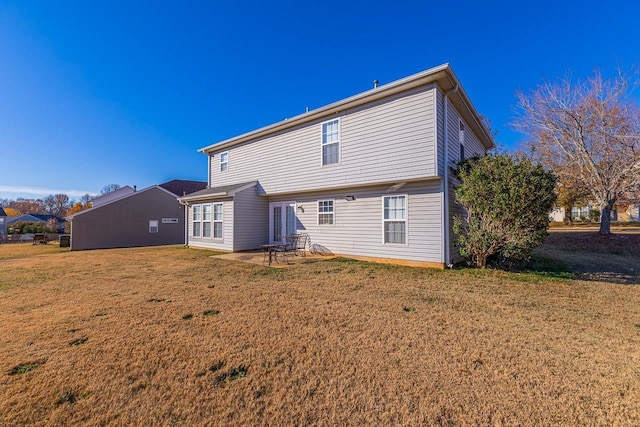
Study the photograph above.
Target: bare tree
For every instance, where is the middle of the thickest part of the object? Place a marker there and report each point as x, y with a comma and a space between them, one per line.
49, 203
61, 205
109, 189
86, 199
52, 225
590, 132
25, 206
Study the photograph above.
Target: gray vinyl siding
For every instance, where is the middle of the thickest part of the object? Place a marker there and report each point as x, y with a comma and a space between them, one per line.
125, 222
224, 244
440, 131
251, 220
472, 147
390, 140
358, 224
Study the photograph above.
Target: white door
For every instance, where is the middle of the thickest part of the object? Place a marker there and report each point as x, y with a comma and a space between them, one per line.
282, 221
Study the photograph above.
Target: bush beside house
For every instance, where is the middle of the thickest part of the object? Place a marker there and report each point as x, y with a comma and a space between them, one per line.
507, 200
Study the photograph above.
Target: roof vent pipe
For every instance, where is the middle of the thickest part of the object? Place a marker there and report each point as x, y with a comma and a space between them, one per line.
307, 109
135, 188
375, 84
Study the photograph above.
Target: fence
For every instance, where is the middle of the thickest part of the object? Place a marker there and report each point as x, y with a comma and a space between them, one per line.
24, 238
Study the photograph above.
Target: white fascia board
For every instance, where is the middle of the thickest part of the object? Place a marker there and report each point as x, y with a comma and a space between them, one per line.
203, 197
229, 193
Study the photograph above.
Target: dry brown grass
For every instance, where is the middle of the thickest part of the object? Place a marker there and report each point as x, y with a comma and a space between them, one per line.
328, 343
614, 258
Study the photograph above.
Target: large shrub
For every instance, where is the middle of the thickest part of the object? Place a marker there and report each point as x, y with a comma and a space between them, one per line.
507, 201
28, 227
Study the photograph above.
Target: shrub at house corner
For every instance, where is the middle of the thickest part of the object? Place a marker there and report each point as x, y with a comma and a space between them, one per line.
507, 201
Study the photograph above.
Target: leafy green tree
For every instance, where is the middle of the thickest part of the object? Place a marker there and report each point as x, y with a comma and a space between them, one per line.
28, 227
507, 201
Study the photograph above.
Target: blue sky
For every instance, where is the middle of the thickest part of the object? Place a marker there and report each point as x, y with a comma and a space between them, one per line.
93, 93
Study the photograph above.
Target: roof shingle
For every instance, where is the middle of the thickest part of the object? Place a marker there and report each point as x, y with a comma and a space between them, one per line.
181, 187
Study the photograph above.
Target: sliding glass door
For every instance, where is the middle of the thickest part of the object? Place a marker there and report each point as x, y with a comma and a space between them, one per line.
282, 221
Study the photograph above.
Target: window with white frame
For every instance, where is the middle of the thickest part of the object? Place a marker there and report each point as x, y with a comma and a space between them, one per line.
197, 221
217, 220
224, 161
461, 141
153, 226
325, 212
206, 220
331, 142
395, 219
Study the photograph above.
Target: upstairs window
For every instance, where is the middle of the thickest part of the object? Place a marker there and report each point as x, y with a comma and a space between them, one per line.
325, 212
331, 142
461, 141
395, 219
224, 161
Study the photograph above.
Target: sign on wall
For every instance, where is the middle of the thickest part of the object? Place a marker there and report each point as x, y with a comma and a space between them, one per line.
169, 220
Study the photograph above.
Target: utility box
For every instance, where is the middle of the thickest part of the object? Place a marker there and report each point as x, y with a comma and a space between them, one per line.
65, 240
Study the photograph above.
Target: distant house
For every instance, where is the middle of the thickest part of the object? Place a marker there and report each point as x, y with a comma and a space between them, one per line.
368, 176
38, 218
3, 224
149, 217
628, 213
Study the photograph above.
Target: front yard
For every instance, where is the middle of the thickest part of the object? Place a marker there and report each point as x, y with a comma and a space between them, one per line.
160, 336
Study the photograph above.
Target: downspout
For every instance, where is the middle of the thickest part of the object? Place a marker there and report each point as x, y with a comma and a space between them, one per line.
208, 170
445, 191
186, 222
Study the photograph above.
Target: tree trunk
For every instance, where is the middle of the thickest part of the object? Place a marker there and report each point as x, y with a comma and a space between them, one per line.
568, 220
605, 218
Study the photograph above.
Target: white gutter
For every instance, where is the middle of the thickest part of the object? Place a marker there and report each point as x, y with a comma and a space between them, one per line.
445, 191
186, 222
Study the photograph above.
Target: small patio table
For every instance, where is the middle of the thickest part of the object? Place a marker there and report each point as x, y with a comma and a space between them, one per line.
270, 249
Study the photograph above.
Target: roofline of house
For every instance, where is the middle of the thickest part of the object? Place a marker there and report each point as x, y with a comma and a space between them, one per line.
394, 185
70, 217
443, 75
229, 193
15, 217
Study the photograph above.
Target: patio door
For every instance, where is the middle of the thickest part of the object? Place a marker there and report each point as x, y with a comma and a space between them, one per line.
282, 221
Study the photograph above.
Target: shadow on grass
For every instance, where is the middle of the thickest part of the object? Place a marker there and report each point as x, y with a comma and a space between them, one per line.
547, 267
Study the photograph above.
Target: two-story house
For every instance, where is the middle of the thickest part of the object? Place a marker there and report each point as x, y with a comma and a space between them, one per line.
368, 176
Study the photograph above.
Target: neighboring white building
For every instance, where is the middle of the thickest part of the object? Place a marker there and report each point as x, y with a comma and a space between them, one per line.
367, 176
626, 214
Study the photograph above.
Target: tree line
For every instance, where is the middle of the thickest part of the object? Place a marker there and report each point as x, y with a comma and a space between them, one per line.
60, 205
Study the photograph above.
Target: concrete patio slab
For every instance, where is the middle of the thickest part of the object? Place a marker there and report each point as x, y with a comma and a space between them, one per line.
257, 257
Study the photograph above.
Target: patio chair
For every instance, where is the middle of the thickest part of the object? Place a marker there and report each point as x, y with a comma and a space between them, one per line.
290, 246
301, 246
